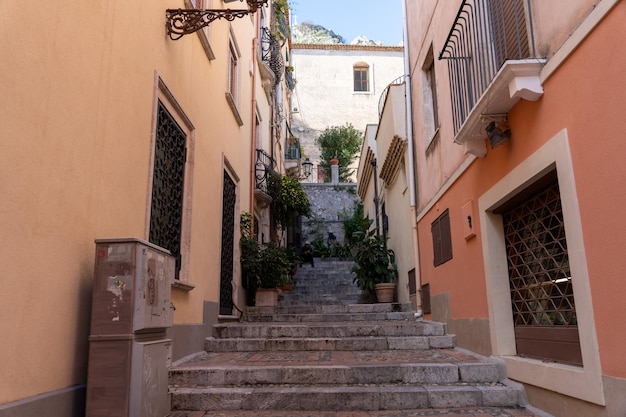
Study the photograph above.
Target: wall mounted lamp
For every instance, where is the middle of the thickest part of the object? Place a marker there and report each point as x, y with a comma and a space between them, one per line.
181, 22
308, 167
497, 133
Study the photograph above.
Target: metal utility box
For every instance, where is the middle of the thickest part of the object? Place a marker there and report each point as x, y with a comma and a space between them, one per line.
129, 353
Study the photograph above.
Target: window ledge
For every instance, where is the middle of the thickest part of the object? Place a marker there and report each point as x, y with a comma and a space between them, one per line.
182, 285
517, 79
430, 144
568, 380
233, 106
268, 79
206, 45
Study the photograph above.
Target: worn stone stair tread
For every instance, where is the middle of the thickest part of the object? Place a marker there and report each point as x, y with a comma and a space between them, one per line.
329, 329
328, 317
342, 397
330, 309
331, 343
456, 412
420, 374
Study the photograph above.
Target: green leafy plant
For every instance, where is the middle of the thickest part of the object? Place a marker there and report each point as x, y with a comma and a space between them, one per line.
288, 199
374, 262
356, 222
344, 143
262, 266
281, 8
275, 267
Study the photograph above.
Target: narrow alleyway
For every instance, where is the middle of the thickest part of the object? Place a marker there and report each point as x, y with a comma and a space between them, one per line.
322, 350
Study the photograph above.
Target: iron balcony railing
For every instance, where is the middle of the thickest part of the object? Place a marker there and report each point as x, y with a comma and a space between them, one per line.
485, 34
264, 166
270, 53
383, 95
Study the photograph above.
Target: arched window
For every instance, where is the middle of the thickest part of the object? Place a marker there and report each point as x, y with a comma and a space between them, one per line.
361, 76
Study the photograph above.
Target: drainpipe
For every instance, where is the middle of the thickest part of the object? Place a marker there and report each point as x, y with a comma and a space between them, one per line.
373, 162
253, 118
412, 160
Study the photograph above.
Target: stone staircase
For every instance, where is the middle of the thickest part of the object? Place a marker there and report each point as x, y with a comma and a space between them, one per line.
322, 349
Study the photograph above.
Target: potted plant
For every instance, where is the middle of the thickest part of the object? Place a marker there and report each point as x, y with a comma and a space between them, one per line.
264, 268
274, 270
375, 266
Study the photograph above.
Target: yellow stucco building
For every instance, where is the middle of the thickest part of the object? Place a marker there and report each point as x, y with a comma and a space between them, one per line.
112, 129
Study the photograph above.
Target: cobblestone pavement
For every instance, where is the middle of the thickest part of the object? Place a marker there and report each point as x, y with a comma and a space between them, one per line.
464, 412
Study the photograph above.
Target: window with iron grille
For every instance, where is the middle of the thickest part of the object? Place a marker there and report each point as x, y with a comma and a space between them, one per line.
542, 295
361, 77
442, 239
166, 213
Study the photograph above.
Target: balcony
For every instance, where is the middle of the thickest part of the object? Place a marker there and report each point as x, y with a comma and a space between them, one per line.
491, 64
271, 55
265, 165
292, 156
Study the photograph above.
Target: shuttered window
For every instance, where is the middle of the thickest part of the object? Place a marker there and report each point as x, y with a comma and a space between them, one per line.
442, 241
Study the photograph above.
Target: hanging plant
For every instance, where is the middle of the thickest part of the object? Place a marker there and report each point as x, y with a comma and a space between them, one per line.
281, 8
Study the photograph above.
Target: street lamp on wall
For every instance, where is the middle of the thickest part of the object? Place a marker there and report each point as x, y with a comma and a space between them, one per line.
308, 167
181, 22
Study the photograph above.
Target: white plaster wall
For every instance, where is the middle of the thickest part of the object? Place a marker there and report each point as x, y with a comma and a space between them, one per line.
324, 93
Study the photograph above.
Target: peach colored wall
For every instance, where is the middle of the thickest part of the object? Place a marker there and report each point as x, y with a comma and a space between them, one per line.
78, 89
595, 115
587, 95
549, 33
429, 25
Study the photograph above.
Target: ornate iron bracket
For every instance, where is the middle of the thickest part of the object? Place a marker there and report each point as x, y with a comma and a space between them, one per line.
181, 22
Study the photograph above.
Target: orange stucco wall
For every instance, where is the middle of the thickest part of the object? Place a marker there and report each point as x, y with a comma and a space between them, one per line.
587, 96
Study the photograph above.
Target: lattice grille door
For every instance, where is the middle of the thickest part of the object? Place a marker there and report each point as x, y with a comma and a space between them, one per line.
542, 295
228, 245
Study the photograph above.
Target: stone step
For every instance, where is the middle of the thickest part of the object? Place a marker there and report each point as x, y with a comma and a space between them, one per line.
330, 344
485, 411
348, 309
403, 373
293, 299
329, 317
303, 285
329, 330
321, 301
343, 397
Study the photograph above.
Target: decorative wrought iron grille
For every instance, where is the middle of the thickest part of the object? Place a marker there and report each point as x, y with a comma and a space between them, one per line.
228, 245
270, 53
264, 166
485, 34
168, 179
539, 272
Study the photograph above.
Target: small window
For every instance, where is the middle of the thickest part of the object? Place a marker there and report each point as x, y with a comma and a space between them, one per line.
442, 240
232, 87
429, 91
361, 77
233, 62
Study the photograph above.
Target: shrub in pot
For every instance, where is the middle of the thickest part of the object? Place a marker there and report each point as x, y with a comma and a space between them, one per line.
374, 263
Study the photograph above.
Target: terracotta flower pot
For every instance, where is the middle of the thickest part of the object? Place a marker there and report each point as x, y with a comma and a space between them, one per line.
385, 292
266, 297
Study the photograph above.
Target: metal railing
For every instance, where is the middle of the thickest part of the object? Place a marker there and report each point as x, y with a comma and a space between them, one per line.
270, 53
383, 95
485, 34
264, 166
